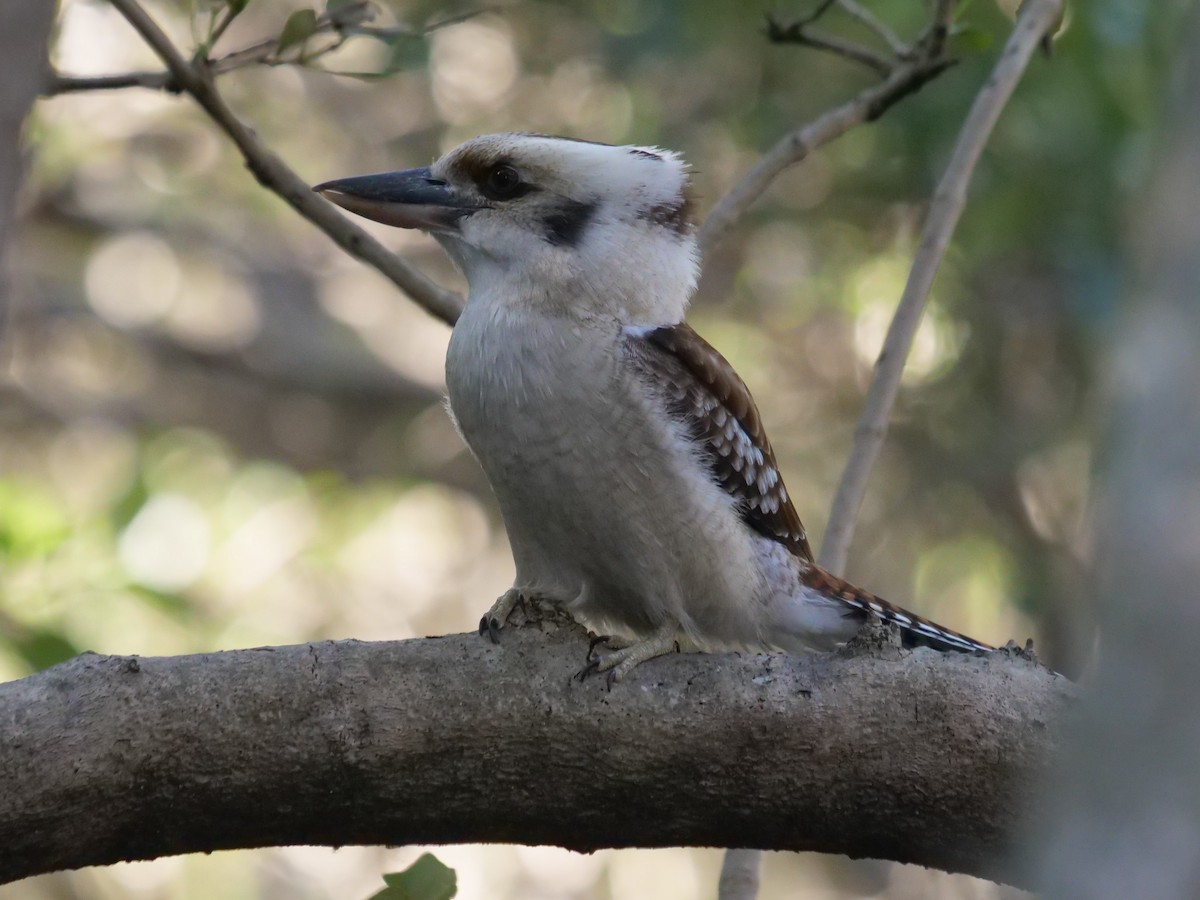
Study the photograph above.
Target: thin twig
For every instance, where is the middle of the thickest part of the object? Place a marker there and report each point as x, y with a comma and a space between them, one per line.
344, 22
58, 83
818, 11
880, 28
261, 53
870, 104
799, 33
424, 31
231, 13
275, 175
943, 16
1035, 18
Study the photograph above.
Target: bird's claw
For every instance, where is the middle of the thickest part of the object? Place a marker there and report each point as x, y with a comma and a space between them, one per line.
497, 616
593, 665
627, 654
490, 626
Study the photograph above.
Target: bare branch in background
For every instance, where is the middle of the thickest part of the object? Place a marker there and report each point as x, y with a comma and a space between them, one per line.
58, 83
340, 24
337, 24
1035, 19
275, 175
408, 31
739, 872
907, 73
798, 33
898, 48
337, 743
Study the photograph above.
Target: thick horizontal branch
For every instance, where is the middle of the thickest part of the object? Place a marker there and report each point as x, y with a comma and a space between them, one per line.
924, 758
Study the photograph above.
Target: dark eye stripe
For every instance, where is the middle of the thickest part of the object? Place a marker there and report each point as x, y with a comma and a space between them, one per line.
566, 222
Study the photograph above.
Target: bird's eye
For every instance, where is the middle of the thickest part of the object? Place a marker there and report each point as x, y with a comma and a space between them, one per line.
502, 183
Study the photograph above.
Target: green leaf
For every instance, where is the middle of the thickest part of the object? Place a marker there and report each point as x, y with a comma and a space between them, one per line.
299, 27
426, 879
236, 6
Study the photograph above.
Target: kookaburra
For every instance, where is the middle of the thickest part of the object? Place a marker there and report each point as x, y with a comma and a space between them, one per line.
635, 479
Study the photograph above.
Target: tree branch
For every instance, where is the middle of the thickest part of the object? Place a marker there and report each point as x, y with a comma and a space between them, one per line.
273, 174
898, 48
1035, 19
798, 33
260, 53
58, 83
924, 62
454, 739
343, 22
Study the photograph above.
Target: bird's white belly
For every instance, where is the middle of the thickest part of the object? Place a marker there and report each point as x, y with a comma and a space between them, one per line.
589, 485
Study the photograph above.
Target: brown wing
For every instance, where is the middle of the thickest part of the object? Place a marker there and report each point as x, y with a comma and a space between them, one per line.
705, 393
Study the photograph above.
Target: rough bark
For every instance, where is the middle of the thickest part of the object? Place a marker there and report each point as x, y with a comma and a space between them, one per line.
922, 757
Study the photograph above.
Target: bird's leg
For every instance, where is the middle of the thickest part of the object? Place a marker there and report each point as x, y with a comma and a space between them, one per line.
631, 654
498, 615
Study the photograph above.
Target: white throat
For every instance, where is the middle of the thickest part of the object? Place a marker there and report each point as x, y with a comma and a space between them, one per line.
617, 271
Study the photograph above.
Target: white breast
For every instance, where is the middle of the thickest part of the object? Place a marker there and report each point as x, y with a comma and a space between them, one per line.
606, 507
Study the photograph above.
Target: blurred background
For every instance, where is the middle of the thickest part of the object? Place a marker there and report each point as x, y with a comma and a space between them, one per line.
219, 431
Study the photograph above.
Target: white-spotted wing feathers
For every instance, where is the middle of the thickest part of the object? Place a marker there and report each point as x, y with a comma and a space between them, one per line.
703, 391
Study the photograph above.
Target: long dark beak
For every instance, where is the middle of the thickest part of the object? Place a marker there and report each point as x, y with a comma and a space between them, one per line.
409, 199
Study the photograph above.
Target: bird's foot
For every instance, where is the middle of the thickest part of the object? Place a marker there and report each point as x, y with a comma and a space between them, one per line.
628, 654
497, 616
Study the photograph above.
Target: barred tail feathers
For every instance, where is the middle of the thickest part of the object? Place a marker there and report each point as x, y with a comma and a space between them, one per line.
915, 631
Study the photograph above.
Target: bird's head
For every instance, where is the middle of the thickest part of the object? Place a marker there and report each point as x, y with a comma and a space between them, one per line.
564, 225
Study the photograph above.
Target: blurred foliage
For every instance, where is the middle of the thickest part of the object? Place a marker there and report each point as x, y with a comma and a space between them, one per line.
220, 432
426, 879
